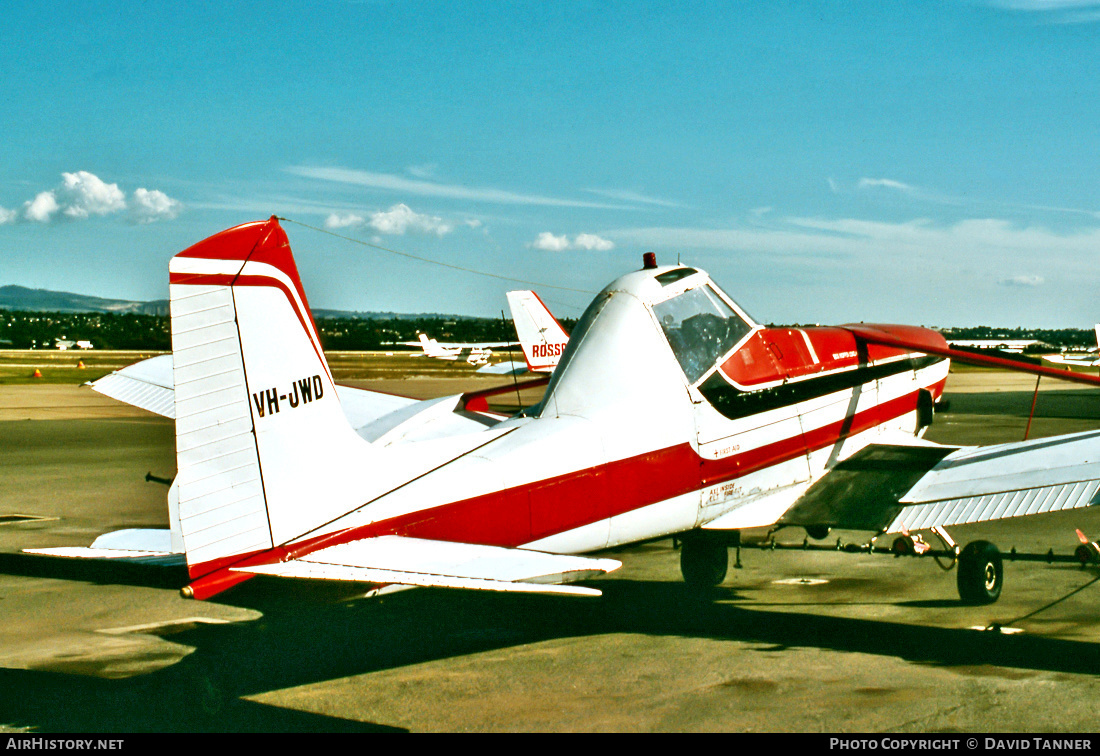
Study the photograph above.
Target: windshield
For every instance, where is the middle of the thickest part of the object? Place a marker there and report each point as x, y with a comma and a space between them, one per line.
700, 328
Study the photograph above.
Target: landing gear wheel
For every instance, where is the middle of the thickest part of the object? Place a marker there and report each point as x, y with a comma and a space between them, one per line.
981, 573
703, 563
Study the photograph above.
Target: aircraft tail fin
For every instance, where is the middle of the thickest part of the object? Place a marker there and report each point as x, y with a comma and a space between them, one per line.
541, 336
430, 346
258, 421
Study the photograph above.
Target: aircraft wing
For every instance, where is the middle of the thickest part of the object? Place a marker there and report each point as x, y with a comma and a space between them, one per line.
1007, 480
1078, 360
509, 367
416, 561
476, 344
892, 489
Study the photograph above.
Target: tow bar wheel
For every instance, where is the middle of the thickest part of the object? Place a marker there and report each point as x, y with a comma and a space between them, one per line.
981, 573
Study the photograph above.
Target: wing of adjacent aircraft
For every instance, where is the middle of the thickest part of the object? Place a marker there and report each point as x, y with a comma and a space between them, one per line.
1091, 358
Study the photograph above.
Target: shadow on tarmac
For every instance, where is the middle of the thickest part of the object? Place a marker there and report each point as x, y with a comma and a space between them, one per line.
98, 571
296, 642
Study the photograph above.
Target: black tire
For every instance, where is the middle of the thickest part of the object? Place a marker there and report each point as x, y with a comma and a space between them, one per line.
981, 573
703, 562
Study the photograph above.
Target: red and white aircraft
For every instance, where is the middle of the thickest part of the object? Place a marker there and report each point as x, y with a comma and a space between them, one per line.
671, 412
540, 335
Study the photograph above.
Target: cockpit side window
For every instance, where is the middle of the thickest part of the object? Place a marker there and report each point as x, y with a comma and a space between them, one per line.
700, 328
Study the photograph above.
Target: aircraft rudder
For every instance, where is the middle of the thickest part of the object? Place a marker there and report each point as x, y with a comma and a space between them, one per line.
540, 335
257, 412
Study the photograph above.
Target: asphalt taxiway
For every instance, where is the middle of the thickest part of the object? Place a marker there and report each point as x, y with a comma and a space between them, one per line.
794, 641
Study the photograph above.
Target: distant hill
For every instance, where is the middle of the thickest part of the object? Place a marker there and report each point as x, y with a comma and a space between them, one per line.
44, 300
372, 315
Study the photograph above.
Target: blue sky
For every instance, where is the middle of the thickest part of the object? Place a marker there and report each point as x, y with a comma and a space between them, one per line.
931, 162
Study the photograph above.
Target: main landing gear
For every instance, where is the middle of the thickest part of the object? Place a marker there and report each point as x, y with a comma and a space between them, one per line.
704, 558
980, 577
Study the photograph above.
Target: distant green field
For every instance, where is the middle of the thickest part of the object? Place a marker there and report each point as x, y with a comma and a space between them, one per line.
17, 366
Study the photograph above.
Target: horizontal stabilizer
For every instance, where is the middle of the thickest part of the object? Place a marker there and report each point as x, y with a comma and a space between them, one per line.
134, 545
147, 384
150, 385
416, 561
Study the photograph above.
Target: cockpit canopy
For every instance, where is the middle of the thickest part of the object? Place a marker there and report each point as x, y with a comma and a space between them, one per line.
673, 322
701, 327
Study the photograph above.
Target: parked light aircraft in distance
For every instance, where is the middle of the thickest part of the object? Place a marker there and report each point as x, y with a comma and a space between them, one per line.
473, 353
540, 335
671, 413
1087, 359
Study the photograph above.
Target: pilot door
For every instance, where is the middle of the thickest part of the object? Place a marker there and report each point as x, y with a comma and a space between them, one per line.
749, 437
751, 442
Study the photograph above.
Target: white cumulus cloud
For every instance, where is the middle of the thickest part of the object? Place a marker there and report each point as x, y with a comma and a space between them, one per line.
153, 205
83, 194
591, 241
344, 220
401, 218
398, 220
550, 243
41, 209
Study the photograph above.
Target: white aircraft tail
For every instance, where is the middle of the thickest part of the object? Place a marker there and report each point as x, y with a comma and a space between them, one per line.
541, 336
259, 428
430, 347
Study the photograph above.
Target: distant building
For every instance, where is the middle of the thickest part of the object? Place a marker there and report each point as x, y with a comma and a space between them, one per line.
1005, 345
